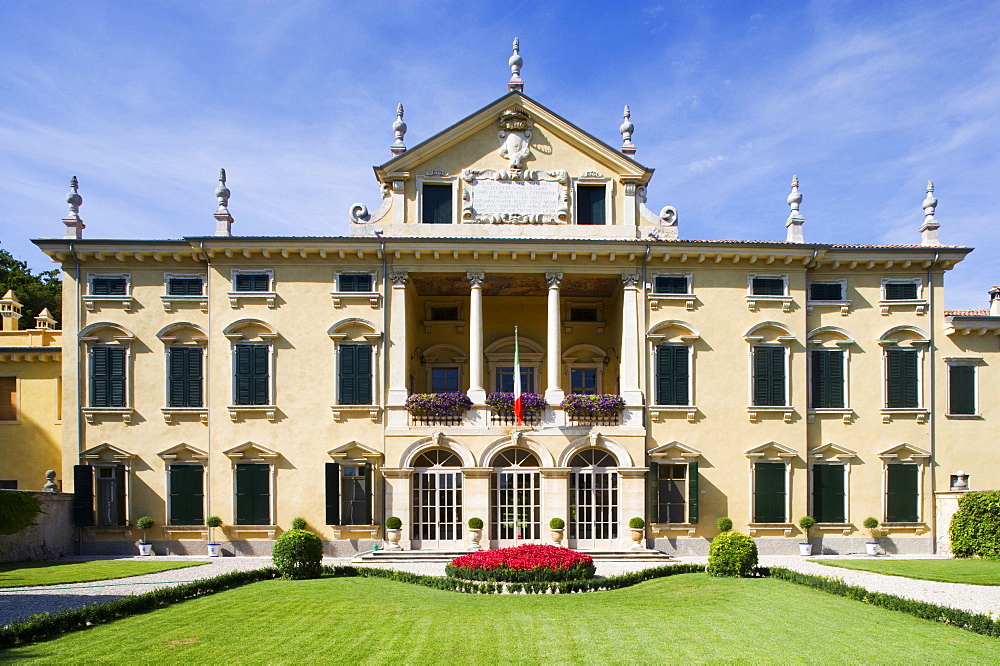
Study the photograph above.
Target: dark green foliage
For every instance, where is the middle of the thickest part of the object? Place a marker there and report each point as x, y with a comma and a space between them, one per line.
636, 523
475, 523
46, 625
393, 523
298, 523
975, 527
145, 523
34, 292
807, 523
557, 524
298, 554
977, 623
732, 554
212, 522
724, 524
17, 510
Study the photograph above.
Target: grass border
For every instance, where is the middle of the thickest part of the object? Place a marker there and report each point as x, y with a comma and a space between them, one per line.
183, 565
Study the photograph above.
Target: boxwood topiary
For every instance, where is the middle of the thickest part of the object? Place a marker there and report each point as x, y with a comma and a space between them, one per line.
298, 523
298, 554
732, 554
475, 523
393, 523
636, 523
724, 524
557, 524
975, 527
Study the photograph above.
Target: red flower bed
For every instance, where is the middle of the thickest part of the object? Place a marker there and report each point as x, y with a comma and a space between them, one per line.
527, 563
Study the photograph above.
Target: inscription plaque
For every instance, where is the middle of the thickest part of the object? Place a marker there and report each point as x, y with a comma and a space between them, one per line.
531, 197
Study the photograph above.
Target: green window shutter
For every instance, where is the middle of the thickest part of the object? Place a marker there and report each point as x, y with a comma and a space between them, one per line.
768, 287
769, 376
194, 371
902, 493
652, 501
896, 291
590, 204
670, 284
672, 375
260, 374
827, 378
243, 375
693, 492
828, 493
769, 493
355, 374
83, 495
185, 376
100, 387
901, 378
332, 493
187, 495
116, 370
253, 494
368, 494
120, 472
436, 204
961, 389
262, 495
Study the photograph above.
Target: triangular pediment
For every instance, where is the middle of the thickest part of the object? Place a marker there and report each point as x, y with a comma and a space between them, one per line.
107, 452
183, 451
832, 451
250, 452
904, 451
771, 450
543, 118
354, 450
674, 451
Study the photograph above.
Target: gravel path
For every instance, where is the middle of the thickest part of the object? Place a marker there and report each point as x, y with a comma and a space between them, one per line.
21, 602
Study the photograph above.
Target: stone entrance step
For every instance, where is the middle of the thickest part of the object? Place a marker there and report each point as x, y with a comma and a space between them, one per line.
415, 556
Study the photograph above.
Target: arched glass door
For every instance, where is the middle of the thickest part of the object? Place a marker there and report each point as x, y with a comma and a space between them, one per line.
437, 501
593, 500
515, 499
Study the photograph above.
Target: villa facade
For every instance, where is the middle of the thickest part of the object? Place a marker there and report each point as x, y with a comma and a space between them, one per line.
264, 378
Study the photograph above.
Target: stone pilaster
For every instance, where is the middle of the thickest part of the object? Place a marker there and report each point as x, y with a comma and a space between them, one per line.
629, 370
476, 391
553, 352
397, 339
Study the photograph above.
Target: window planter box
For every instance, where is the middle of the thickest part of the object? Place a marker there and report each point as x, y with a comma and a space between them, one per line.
437, 408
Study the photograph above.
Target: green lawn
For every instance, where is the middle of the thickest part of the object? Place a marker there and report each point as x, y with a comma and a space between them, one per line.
973, 572
56, 573
680, 619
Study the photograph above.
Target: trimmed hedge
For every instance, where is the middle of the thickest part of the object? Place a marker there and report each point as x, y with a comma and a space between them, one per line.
47, 625
975, 527
976, 622
298, 554
732, 554
17, 510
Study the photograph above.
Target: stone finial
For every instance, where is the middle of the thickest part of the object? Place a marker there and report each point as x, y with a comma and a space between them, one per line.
929, 229
74, 224
626, 129
45, 320
10, 311
795, 219
995, 301
515, 62
399, 128
223, 219
50, 482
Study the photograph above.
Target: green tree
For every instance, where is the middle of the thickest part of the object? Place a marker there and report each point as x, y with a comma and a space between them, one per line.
35, 292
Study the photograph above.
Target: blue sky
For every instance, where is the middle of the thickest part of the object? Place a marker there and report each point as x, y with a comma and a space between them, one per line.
144, 101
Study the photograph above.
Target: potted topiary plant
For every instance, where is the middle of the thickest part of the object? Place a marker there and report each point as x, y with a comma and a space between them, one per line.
475, 532
637, 525
214, 548
298, 523
724, 524
806, 523
393, 533
556, 525
871, 546
145, 523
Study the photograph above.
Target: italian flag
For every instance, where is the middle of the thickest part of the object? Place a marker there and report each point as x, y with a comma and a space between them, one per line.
518, 404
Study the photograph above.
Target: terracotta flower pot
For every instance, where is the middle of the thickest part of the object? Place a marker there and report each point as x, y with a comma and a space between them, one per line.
637, 537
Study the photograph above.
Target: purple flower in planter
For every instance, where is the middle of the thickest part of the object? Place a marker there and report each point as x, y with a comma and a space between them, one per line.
579, 404
438, 404
503, 403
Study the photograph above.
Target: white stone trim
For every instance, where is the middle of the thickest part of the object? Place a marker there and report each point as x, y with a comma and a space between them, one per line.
609, 219
753, 300
919, 304
437, 180
844, 303
92, 301
171, 301
341, 298
236, 298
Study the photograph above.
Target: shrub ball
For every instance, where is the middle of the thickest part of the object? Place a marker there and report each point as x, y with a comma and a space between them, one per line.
298, 554
393, 523
732, 554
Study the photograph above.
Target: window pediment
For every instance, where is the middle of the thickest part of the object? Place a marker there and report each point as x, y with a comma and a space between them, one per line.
250, 452
674, 451
771, 451
904, 452
833, 452
355, 450
107, 453
182, 452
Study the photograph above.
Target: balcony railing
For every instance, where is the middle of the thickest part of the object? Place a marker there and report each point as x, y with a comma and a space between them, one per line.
594, 419
508, 419
436, 419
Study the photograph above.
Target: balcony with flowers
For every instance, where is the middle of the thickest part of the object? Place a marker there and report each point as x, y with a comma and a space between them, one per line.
593, 410
437, 409
502, 408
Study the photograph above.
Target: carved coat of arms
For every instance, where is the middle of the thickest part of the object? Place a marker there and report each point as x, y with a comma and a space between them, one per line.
515, 136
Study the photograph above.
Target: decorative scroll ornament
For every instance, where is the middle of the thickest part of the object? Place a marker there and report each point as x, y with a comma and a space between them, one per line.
515, 136
553, 279
476, 279
630, 279
515, 196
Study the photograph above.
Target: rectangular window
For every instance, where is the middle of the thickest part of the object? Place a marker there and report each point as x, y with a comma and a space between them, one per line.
251, 385
902, 502
348, 494
590, 204
670, 284
672, 375
354, 282
826, 378
583, 314
671, 492
769, 376
769, 493
828, 493
107, 376
355, 374
108, 286
901, 378
185, 286
187, 495
444, 380
826, 291
252, 282
8, 398
436, 204
583, 380
900, 291
8, 485
961, 389
767, 286
184, 379
111, 495
505, 380
444, 314
253, 494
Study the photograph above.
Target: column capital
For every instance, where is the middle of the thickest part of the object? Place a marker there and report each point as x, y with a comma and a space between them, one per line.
475, 279
553, 279
399, 278
630, 280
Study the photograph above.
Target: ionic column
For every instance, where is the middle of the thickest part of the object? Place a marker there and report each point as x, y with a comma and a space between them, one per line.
397, 339
554, 393
629, 370
476, 391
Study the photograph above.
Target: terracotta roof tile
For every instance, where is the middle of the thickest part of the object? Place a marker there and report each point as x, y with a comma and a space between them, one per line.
966, 313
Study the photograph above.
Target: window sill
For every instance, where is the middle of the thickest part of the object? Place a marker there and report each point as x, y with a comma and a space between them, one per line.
191, 532
845, 306
660, 412
916, 528
170, 303
246, 531
656, 301
236, 297
755, 528
120, 531
920, 415
236, 411
354, 531
847, 414
786, 412
674, 527
845, 528
172, 413
341, 297
964, 417
598, 326
93, 302
429, 324
785, 301
95, 414
919, 305
341, 412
